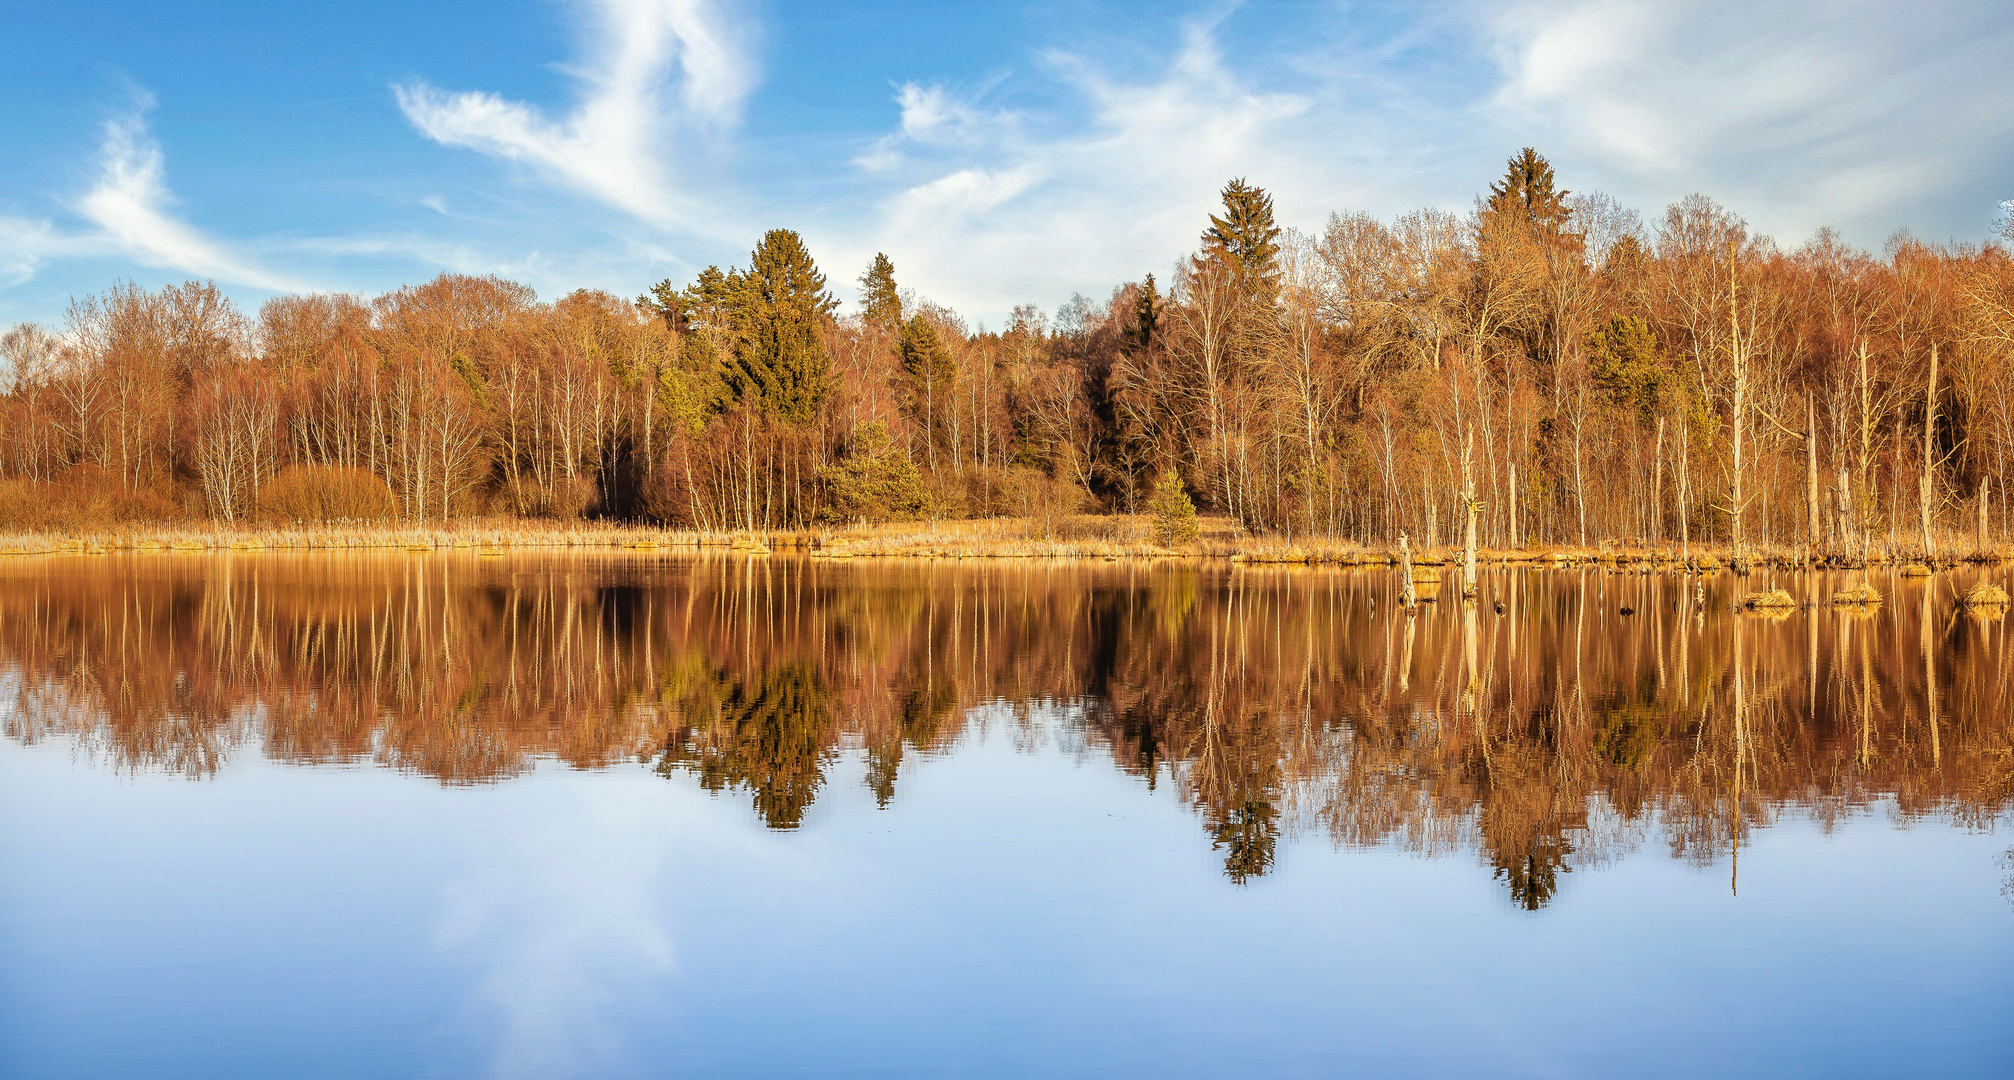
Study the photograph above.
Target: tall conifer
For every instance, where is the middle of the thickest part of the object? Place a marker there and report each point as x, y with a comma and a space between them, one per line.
880, 302
1528, 194
1244, 238
778, 305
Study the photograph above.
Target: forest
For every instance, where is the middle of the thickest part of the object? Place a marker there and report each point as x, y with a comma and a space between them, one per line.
1551, 363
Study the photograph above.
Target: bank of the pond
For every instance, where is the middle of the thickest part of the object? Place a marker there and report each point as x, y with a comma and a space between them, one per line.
1110, 537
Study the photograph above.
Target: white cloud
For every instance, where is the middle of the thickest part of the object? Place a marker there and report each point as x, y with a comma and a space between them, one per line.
129, 206
612, 147
1864, 115
129, 209
997, 207
1797, 114
26, 244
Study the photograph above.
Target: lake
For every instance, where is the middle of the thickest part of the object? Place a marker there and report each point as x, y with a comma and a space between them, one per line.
656, 814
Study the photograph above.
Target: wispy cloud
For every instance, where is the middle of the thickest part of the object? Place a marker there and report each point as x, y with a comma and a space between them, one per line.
658, 68
130, 209
25, 245
1862, 115
995, 207
129, 204
1801, 114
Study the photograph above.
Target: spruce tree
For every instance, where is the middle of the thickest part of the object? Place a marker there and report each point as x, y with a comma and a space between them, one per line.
874, 481
1139, 336
1244, 237
1527, 194
777, 307
880, 302
1174, 515
928, 374
1626, 361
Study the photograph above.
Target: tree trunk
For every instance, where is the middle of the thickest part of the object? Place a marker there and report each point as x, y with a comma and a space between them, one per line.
1408, 595
1811, 470
1469, 507
1985, 490
1923, 484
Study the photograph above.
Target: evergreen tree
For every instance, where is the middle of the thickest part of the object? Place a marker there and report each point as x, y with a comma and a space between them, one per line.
1527, 194
1625, 360
880, 302
1139, 336
1244, 237
873, 481
777, 307
1174, 515
928, 373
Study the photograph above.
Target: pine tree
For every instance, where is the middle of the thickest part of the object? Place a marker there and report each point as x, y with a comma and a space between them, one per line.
1139, 336
928, 373
777, 307
1244, 238
1527, 194
880, 302
873, 481
1174, 515
1625, 360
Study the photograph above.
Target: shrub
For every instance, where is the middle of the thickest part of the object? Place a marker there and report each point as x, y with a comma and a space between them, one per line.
1174, 514
874, 481
317, 493
82, 496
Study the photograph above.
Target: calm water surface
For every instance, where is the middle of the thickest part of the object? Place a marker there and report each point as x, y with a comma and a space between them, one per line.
653, 815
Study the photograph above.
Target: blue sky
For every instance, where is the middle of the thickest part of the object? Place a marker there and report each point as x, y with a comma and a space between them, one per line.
1000, 153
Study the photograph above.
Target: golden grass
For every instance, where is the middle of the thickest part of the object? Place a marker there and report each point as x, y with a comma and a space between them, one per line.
486, 535
1914, 570
1859, 595
1079, 536
1772, 600
1984, 595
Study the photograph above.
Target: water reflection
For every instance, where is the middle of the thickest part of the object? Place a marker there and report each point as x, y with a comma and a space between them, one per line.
1554, 733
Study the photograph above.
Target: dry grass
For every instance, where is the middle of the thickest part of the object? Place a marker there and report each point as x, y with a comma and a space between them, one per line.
1914, 570
1860, 595
1075, 536
481, 534
1984, 595
1772, 600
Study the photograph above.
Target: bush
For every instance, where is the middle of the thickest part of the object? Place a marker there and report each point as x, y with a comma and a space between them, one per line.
82, 496
1174, 514
874, 481
320, 493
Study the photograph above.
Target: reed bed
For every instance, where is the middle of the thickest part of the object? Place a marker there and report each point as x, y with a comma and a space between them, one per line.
1079, 536
475, 534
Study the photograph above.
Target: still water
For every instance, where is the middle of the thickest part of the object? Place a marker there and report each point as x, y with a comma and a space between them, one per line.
656, 815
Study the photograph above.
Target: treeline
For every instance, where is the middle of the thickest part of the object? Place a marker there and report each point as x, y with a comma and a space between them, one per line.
1549, 365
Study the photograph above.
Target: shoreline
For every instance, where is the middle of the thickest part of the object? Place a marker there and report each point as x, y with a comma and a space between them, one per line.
1107, 537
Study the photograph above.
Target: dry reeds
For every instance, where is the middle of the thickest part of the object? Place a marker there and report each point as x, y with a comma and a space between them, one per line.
1860, 595
1984, 595
1772, 600
1914, 570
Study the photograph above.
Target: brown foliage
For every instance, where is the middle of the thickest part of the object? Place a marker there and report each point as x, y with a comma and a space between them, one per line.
326, 493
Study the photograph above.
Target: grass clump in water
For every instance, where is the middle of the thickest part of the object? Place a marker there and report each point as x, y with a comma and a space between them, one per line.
1984, 595
1773, 600
1860, 595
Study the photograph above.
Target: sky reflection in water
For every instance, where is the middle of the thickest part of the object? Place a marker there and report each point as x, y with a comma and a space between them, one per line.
655, 816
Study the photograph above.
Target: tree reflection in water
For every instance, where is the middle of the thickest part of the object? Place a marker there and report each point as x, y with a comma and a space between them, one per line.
1279, 702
